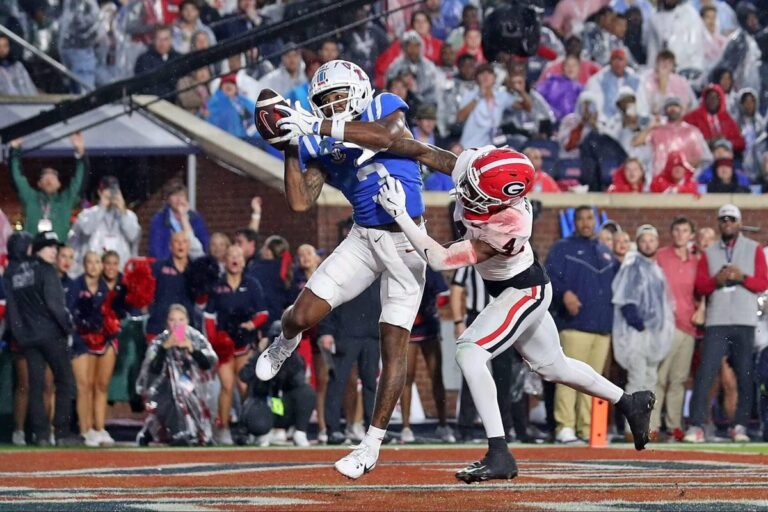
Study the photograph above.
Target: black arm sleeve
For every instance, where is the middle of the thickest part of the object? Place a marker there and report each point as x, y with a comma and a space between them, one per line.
201, 360
156, 366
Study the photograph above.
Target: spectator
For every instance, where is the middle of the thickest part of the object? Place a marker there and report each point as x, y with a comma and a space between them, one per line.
327, 51
630, 177
14, 79
300, 93
721, 149
573, 49
661, 82
575, 127
714, 41
172, 286
425, 338
581, 270
676, 26
621, 245
626, 122
187, 25
50, 207
449, 99
674, 135
175, 217
413, 61
606, 83
723, 77
570, 15
364, 43
351, 333
530, 115
138, 21
676, 178
106, 226
288, 75
232, 111
247, 85
724, 181
41, 332
678, 262
603, 35
643, 321
439, 18
285, 401
473, 45
192, 93
482, 108
174, 384
470, 17
78, 34
730, 273
274, 271
235, 312
742, 54
752, 124
5, 232
245, 18
712, 119
561, 90
156, 57
217, 248
542, 182
605, 237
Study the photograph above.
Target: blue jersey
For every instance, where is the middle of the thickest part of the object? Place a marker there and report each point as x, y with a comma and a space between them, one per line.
361, 184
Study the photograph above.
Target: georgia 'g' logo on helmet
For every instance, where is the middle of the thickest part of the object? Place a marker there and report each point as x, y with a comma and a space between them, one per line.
340, 75
494, 180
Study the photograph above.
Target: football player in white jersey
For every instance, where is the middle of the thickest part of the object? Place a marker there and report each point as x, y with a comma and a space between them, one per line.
491, 185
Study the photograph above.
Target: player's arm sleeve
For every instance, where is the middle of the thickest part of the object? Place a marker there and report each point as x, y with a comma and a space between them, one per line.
438, 257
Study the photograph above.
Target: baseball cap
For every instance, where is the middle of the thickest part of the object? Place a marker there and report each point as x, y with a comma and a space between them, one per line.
230, 78
108, 182
618, 53
625, 92
722, 142
45, 239
729, 210
646, 229
410, 36
672, 100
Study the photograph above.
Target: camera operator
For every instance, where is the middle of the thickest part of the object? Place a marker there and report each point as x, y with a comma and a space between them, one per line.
106, 226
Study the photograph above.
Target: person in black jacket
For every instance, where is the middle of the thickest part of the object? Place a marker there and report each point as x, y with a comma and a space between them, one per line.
161, 53
40, 323
285, 401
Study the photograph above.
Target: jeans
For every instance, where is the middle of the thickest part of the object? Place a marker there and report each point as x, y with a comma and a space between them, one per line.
82, 63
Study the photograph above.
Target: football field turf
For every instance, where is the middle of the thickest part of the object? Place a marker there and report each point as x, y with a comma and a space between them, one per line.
664, 478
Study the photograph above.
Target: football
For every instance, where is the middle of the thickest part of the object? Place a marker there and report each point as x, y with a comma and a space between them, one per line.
267, 117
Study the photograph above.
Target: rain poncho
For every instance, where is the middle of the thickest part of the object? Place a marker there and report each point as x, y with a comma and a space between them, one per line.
641, 282
680, 30
175, 385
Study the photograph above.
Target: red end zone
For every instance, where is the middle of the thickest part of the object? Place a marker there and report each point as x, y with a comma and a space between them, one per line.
405, 479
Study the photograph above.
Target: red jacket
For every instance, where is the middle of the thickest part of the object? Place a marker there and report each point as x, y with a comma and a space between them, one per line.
619, 183
664, 182
717, 125
543, 182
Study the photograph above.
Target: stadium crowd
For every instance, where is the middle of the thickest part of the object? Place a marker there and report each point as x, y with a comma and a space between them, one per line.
622, 96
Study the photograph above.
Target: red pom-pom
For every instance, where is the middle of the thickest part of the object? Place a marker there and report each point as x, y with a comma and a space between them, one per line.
223, 346
93, 340
111, 325
139, 282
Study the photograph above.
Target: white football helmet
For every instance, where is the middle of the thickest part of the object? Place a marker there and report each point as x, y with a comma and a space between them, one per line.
340, 74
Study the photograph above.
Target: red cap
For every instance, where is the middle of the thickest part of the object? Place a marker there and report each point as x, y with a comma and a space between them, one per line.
618, 53
231, 78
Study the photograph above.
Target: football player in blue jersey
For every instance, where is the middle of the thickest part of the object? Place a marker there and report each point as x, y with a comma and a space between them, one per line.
344, 142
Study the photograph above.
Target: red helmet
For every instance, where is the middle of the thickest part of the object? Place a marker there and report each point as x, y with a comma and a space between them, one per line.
495, 179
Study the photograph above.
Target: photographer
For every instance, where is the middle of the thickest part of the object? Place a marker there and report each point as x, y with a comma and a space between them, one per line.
174, 382
106, 226
285, 401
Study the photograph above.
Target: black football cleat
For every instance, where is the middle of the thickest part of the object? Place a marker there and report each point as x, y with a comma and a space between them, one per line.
637, 408
494, 466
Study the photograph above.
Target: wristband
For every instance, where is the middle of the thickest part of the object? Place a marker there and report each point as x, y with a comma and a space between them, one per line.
255, 215
337, 129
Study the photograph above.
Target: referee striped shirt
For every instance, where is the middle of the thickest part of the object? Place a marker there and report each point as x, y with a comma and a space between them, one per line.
476, 295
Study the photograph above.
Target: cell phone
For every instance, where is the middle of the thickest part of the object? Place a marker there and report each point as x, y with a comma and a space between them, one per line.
178, 333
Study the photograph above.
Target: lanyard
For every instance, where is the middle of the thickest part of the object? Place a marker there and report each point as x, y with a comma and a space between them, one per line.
45, 206
729, 247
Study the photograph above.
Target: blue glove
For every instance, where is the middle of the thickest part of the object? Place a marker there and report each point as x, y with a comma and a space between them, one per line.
632, 316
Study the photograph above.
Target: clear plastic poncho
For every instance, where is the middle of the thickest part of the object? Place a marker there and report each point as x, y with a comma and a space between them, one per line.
180, 396
640, 281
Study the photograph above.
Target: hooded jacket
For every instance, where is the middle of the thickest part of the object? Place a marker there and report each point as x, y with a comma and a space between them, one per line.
621, 185
664, 182
720, 124
35, 298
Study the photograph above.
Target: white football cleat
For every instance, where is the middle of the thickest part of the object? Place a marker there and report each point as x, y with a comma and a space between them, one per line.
362, 460
272, 359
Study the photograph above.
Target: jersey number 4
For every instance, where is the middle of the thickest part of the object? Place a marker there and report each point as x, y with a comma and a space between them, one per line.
509, 248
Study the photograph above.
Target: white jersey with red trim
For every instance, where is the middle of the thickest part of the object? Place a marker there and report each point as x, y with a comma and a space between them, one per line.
507, 231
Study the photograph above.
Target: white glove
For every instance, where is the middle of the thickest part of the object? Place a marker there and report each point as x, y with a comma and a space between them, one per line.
391, 197
298, 121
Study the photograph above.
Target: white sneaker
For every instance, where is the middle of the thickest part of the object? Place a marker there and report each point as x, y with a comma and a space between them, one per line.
264, 440
566, 436
694, 435
223, 437
739, 434
445, 433
300, 438
362, 460
279, 436
18, 438
406, 436
104, 438
272, 359
322, 437
92, 439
